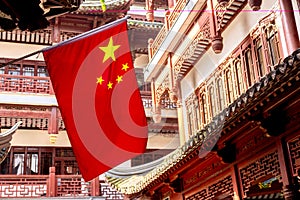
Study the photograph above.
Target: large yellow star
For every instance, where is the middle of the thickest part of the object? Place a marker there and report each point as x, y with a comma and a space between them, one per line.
109, 50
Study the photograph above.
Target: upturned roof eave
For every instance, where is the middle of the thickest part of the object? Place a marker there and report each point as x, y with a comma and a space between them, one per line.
283, 71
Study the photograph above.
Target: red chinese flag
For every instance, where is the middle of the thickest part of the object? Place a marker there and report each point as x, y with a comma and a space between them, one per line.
95, 85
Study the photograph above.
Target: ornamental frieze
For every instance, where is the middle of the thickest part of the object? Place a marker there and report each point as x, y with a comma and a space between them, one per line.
197, 175
164, 86
21, 107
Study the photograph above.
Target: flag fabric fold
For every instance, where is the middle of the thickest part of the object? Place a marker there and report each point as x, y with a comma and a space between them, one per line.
97, 93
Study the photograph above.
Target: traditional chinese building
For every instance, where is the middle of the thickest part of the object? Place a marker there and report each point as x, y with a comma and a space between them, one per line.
26, 95
232, 68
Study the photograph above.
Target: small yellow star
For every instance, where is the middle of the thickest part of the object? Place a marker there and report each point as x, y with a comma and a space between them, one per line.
125, 67
100, 80
109, 50
119, 79
109, 85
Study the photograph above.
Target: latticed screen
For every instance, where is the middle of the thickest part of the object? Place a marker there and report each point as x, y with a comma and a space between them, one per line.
149, 157
46, 162
65, 161
38, 160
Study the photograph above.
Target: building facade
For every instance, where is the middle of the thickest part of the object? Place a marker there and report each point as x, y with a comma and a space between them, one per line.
232, 69
40, 160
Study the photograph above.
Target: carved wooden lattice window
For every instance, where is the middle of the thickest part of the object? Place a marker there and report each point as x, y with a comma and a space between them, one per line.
149, 156
27, 160
46, 162
190, 120
220, 94
261, 69
211, 101
28, 70
32, 163
229, 85
273, 44
42, 71
249, 67
14, 69
203, 108
266, 165
238, 77
197, 114
194, 114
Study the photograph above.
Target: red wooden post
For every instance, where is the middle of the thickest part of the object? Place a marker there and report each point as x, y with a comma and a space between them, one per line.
52, 183
95, 187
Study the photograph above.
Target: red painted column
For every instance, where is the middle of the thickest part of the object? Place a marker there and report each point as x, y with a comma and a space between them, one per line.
52, 183
53, 123
56, 31
237, 194
289, 26
150, 10
95, 187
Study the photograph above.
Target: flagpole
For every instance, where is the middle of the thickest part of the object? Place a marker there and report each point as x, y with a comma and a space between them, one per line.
21, 58
80, 36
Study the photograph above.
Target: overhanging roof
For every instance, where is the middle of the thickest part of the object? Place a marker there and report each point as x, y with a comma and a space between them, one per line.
269, 86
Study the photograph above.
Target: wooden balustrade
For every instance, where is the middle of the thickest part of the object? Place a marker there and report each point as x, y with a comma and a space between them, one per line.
165, 103
52, 185
37, 37
25, 84
171, 20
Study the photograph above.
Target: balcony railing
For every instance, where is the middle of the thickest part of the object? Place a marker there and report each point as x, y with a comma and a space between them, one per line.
25, 84
42, 85
37, 37
165, 103
52, 185
168, 24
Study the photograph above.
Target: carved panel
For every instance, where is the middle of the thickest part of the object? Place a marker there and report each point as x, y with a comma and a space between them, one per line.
294, 151
37, 85
222, 187
41, 123
33, 187
201, 172
72, 187
266, 165
110, 193
202, 195
25, 107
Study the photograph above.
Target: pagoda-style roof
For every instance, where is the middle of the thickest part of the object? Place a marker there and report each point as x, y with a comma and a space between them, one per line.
144, 25
281, 82
5, 139
113, 7
32, 14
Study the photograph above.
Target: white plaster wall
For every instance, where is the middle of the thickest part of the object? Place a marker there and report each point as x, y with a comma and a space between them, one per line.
38, 138
17, 50
27, 99
233, 36
162, 141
